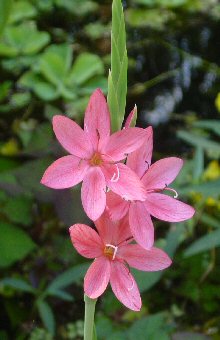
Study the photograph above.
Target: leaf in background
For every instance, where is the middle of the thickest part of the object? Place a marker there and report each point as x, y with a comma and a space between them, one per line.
213, 125
210, 220
78, 7
198, 163
61, 294
18, 210
46, 315
155, 18
117, 80
55, 63
211, 147
31, 43
146, 280
85, 67
21, 10
150, 327
70, 276
207, 189
15, 244
42, 89
5, 8
17, 284
207, 242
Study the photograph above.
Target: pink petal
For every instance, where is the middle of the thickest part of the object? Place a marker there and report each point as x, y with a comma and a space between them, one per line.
150, 260
97, 118
122, 234
93, 193
124, 182
123, 142
65, 172
106, 227
162, 173
131, 116
141, 225
86, 241
117, 206
124, 286
167, 208
97, 277
139, 161
72, 137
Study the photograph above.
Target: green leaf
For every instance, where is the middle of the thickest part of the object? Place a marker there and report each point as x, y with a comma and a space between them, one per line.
198, 163
5, 8
78, 7
18, 210
204, 243
117, 80
70, 276
17, 284
55, 63
207, 189
61, 294
24, 43
147, 280
46, 315
21, 10
155, 18
213, 125
211, 147
210, 220
15, 244
85, 67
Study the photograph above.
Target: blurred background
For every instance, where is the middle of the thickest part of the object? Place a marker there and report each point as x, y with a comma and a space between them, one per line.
53, 54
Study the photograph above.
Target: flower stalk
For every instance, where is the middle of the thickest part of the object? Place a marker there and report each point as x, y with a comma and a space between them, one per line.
89, 317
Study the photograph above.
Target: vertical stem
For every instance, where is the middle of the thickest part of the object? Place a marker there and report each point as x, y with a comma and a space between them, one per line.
89, 317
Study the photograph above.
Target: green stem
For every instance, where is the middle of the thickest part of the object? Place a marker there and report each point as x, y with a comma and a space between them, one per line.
89, 317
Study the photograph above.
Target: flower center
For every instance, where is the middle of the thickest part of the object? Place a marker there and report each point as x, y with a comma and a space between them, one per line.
96, 159
110, 251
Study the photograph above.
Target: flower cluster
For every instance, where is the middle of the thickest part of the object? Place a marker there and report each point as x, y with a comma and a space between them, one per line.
120, 198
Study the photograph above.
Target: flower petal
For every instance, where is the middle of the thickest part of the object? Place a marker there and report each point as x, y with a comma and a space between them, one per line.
72, 137
167, 208
139, 161
97, 118
65, 172
150, 260
162, 173
93, 193
124, 286
86, 241
141, 225
97, 277
106, 227
117, 207
124, 182
131, 118
123, 142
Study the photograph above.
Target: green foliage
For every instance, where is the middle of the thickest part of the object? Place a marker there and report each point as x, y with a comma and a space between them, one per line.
15, 244
117, 79
204, 243
5, 8
46, 315
54, 76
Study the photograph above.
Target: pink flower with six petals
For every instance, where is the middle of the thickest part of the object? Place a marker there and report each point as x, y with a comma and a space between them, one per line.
113, 255
94, 157
155, 179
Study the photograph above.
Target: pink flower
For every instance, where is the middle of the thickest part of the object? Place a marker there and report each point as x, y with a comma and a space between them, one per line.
94, 157
156, 179
113, 256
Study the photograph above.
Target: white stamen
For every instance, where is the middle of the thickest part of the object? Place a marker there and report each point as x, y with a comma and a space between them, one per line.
115, 250
107, 189
115, 176
173, 190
